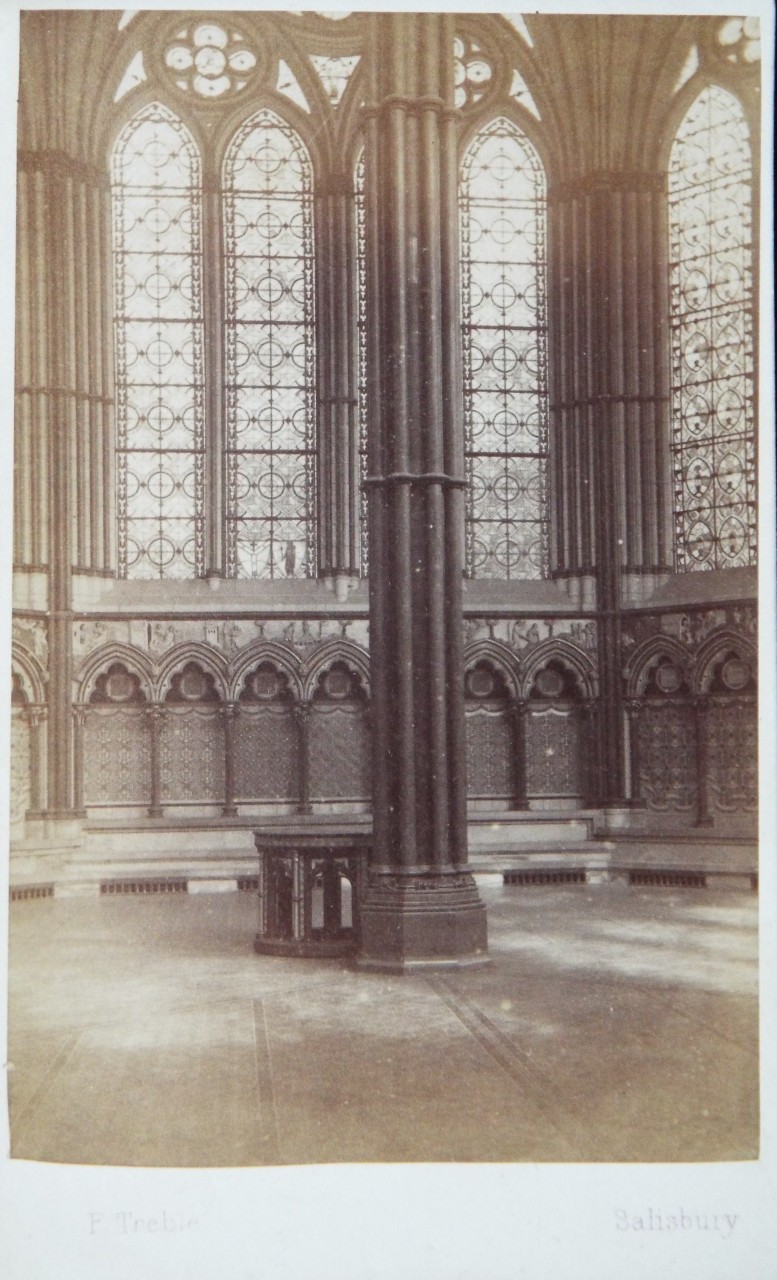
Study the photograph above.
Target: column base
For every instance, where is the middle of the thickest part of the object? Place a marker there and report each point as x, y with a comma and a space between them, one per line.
422, 923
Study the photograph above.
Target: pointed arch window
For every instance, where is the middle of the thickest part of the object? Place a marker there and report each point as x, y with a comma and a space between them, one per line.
157, 228
711, 310
270, 352
216, 403
504, 329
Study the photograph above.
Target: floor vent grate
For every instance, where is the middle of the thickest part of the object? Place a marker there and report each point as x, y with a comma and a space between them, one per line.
544, 877
248, 884
669, 879
24, 892
143, 886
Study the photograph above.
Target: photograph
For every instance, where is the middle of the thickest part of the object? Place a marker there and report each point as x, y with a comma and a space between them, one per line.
392, 441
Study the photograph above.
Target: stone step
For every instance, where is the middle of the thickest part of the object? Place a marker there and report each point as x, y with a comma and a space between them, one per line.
510, 831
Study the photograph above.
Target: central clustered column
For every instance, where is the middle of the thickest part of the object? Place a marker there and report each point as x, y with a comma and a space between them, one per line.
421, 905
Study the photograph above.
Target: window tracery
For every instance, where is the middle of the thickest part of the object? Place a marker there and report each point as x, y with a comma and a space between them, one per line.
157, 227
270, 352
504, 330
713, 446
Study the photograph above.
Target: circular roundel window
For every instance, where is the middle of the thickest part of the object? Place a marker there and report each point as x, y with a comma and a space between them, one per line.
549, 683
119, 686
480, 682
669, 678
736, 674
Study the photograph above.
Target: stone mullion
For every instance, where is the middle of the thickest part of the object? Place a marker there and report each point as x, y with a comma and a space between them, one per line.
214, 394
35, 379
452, 419
519, 714
377, 506
58, 316
337, 406
701, 708
155, 717
229, 714
24, 470
421, 905
99, 337
607, 488
587, 718
103, 361
79, 723
302, 715
634, 710
37, 718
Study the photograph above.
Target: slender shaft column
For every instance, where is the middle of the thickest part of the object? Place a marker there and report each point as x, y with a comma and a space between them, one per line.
155, 715
64, 417
79, 723
213, 315
586, 713
338, 374
302, 713
611, 482
634, 714
37, 719
229, 807
519, 709
703, 815
421, 905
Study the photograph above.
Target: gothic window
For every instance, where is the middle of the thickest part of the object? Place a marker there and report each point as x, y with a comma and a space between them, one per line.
360, 210
163, 270
505, 364
711, 300
157, 227
270, 352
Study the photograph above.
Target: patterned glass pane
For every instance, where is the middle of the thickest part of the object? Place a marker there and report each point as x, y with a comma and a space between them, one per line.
270, 352
361, 337
159, 372
502, 206
713, 445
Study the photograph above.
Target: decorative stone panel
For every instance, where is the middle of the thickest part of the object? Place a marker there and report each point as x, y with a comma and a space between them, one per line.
191, 754
20, 764
117, 756
732, 755
266, 753
667, 757
553, 753
490, 768
339, 752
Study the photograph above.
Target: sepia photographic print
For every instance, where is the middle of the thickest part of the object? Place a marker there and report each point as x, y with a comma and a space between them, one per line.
392, 448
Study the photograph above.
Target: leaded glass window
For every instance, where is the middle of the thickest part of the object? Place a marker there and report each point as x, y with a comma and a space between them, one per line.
270, 352
713, 439
156, 188
360, 209
502, 203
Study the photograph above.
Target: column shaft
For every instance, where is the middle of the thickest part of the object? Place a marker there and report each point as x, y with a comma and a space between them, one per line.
338, 379
421, 905
610, 414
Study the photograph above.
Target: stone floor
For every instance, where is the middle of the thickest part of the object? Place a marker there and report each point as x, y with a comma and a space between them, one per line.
615, 1024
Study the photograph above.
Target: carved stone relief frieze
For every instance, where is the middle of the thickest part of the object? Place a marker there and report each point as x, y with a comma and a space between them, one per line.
691, 627
30, 633
229, 636
523, 633
90, 635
